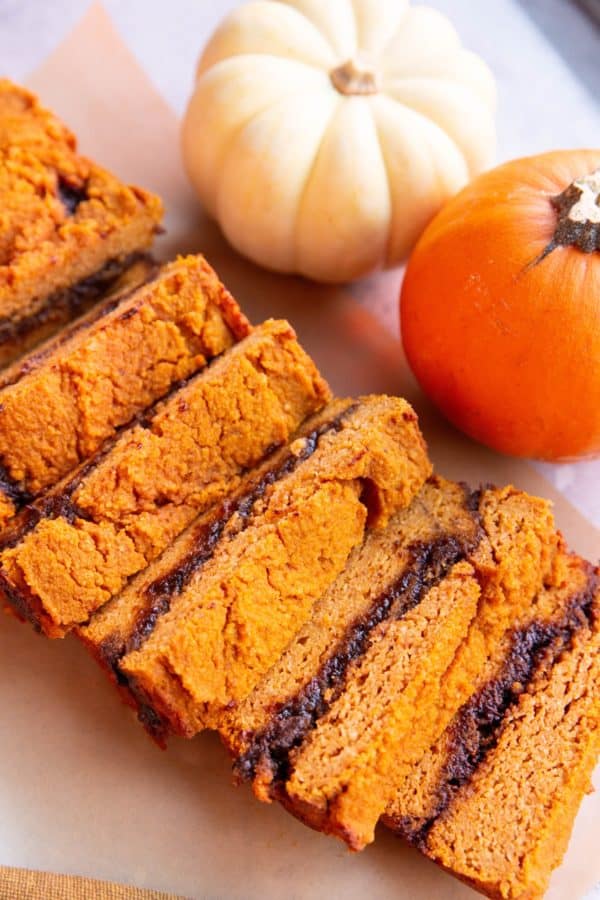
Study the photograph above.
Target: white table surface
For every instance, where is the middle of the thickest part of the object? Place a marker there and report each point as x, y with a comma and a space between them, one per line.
555, 110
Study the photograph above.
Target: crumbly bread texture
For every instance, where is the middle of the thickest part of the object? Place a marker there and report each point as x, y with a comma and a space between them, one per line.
497, 805
439, 510
126, 621
63, 221
142, 270
59, 403
391, 652
284, 544
70, 552
428, 789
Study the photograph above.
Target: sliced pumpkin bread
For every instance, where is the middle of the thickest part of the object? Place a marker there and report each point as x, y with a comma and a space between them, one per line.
389, 654
75, 548
59, 403
493, 800
68, 228
237, 587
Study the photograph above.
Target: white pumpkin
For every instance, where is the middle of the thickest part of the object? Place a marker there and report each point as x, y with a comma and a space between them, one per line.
323, 135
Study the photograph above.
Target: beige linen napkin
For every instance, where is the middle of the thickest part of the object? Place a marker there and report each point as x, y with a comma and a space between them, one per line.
23, 884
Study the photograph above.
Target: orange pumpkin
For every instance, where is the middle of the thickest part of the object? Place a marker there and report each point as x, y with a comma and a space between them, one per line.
500, 307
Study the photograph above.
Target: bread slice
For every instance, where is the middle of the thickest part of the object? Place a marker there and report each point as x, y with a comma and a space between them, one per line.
62, 401
74, 549
242, 584
126, 621
494, 799
69, 228
391, 651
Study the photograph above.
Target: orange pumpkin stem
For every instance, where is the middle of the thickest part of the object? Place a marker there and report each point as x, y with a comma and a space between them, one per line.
578, 209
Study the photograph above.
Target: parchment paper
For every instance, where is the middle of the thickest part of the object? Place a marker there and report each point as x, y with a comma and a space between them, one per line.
82, 790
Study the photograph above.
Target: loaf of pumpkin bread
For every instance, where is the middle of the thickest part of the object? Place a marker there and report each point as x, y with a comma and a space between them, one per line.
243, 581
71, 551
390, 652
59, 403
493, 800
68, 228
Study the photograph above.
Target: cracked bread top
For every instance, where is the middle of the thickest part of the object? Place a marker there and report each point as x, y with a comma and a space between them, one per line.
392, 649
521, 755
75, 548
62, 217
238, 612
59, 403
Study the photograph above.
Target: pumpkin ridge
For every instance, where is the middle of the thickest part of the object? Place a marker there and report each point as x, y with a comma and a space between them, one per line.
318, 32
289, 61
308, 178
389, 177
326, 34
460, 94
233, 152
426, 127
394, 33
245, 121
443, 79
245, 32
374, 30
357, 35
417, 17
429, 122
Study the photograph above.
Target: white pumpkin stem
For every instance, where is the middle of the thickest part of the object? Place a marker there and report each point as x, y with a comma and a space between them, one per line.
578, 209
356, 76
